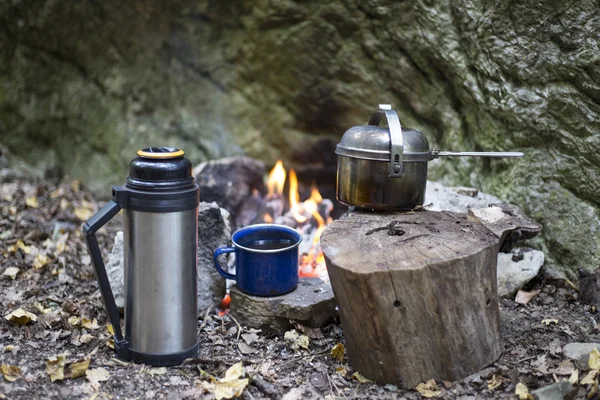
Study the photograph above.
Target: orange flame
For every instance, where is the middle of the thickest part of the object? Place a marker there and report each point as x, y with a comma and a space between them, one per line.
223, 308
295, 198
276, 180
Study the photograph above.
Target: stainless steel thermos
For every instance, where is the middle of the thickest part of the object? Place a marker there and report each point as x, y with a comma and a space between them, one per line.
160, 213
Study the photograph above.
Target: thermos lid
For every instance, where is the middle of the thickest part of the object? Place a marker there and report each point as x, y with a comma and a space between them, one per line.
159, 164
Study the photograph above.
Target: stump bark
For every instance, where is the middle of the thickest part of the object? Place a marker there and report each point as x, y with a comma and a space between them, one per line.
417, 292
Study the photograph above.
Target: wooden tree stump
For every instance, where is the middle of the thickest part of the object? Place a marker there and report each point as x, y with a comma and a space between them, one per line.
417, 292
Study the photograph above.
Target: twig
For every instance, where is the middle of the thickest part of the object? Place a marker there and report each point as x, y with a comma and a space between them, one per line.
204, 320
238, 325
571, 284
525, 359
411, 238
336, 387
304, 357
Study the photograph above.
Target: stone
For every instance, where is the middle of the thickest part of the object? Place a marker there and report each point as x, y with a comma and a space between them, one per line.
272, 79
580, 352
517, 268
448, 198
589, 287
311, 304
562, 390
115, 270
213, 232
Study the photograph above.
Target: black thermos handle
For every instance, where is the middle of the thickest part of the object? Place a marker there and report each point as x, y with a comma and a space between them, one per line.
89, 231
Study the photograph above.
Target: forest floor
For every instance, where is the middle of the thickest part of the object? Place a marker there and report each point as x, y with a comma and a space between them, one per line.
45, 270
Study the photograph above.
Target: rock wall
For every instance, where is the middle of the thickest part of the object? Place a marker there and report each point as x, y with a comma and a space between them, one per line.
83, 85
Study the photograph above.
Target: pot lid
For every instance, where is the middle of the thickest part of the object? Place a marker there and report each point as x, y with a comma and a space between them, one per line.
370, 142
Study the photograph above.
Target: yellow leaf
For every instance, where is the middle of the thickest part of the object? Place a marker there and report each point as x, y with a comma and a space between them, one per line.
32, 202
234, 372
341, 370
495, 382
64, 204
19, 246
589, 378
83, 213
85, 338
40, 260
110, 343
74, 321
574, 377
594, 360
9, 347
231, 385
79, 367
20, 317
157, 371
429, 389
89, 324
55, 367
97, 375
337, 352
41, 308
550, 321
297, 340
523, 392
75, 186
110, 329
11, 272
56, 193
11, 373
361, 378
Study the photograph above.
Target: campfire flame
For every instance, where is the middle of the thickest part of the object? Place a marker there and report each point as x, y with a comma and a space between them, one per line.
308, 219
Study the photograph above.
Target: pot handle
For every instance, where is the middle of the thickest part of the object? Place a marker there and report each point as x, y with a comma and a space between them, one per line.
396, 141
90, 228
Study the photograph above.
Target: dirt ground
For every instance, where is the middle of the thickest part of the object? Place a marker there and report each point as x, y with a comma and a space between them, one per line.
40, 235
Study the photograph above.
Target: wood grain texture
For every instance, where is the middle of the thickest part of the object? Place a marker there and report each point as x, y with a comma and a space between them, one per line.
421, 305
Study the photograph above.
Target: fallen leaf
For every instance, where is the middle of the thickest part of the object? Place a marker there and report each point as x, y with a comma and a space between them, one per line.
312, 333
11, 373
296, 340
74, 321
110, 343
85, 338
574, 377
41, 308
541, 364
496, 382
156, 371
55, 367
249, 338
429, 389
337, 352
245, 349
293, 394
110, 329
550, 321
19, 246
20, 317
564, 368
32, 202
341, 370
40, 260
361, 378
231, 385
594, 360
523, 297
589, 378
522, 391
83, 213
89, 324
75, 186
11, 272
79, 367
11, 347
97, 375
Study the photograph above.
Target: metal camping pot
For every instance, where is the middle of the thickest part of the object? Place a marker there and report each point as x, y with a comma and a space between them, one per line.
385, 169
160, 213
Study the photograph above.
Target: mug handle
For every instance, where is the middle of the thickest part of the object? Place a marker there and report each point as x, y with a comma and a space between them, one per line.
218, 252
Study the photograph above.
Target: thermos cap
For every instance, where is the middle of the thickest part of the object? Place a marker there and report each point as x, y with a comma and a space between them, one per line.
159, 164
162, 153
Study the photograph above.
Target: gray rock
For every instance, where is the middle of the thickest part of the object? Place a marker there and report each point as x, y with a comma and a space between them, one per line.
580, 352
517, 268
448, 198
311, 304
562, 390
115, 271
213, 232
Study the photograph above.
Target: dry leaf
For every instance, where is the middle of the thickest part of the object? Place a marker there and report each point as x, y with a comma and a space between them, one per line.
40, 260
231, 385
341, 370
83, 213
541, 364
55, 367
79, 367
249, 338
312, 333
429, 389
85, 338
89, 324
74, 321
594, 360
110, 343
361, 378
20, 317
589, 378
11, 373
245, 349
11, 347
32, 202
19, 246
523, 392
110, 329
296, 340
337, 352
97, 375
11, 272
564, 368
496, 382
574, 377
75, 186
523, 297
156, 371
550, 321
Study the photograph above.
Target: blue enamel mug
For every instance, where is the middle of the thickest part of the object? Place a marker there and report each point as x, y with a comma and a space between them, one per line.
266, 259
